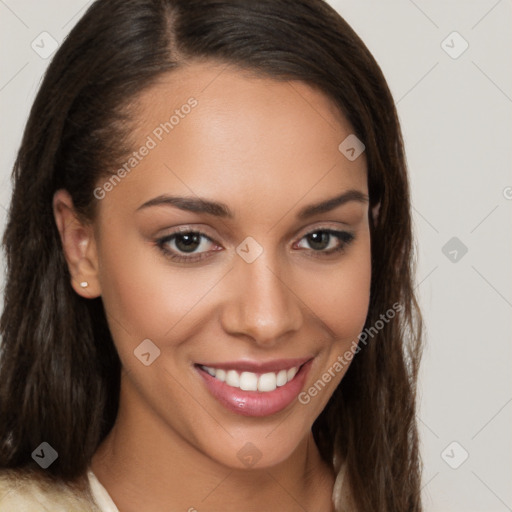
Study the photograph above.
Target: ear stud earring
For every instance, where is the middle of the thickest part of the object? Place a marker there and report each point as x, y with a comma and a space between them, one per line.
84, 284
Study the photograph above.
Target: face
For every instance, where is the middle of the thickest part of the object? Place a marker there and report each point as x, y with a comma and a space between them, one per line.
232, 320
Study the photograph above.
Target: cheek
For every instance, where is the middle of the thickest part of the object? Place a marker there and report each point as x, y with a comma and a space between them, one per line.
142, 296
341, 301
340, 297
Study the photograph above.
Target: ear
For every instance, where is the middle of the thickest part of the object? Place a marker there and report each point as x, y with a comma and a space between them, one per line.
375, 213
79, 246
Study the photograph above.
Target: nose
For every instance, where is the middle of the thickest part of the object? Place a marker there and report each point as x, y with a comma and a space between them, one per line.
262, 304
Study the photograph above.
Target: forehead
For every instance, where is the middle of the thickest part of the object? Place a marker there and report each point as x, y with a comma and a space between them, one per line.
215, 130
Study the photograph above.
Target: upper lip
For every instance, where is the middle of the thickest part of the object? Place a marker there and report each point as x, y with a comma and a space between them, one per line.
274, 365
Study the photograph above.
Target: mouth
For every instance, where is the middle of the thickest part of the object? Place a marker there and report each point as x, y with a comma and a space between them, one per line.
261, 392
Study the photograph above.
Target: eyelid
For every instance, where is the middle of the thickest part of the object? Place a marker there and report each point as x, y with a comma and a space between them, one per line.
192, 228
335, 226
346, 239
301, 233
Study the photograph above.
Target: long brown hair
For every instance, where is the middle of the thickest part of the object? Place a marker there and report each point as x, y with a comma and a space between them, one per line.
59, 369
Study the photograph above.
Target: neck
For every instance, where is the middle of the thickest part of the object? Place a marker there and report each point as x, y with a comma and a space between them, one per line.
145, 465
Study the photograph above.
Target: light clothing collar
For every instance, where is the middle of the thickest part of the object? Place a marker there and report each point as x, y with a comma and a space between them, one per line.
100, 494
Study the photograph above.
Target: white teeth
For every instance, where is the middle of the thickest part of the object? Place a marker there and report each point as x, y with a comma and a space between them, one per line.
211, 371
291, 373
249, 381
232, 378
282, 378
267, 382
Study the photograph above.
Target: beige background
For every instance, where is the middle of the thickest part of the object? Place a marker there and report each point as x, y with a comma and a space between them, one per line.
456, 115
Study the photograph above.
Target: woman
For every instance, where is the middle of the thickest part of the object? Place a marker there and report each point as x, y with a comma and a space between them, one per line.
209, 301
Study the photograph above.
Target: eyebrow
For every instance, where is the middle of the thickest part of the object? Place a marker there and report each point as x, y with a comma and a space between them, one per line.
200, 205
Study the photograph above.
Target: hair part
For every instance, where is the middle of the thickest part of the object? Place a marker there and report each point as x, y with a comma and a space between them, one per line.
60, 372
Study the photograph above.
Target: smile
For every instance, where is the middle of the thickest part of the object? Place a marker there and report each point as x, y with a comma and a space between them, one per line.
249, 381
255, 389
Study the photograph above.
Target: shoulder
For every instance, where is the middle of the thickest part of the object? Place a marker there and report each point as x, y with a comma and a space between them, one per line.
23, 491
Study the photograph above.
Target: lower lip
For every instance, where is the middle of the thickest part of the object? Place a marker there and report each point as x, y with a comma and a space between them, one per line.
256, 403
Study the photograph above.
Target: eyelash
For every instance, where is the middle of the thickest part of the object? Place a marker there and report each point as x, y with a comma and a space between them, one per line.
344, 237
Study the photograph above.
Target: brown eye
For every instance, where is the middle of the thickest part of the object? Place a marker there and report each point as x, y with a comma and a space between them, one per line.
328, 241
186, 242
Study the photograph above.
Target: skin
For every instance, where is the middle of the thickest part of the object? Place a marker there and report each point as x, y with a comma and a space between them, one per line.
266, 149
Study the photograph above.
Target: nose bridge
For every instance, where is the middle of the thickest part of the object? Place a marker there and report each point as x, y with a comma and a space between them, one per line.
263, 305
